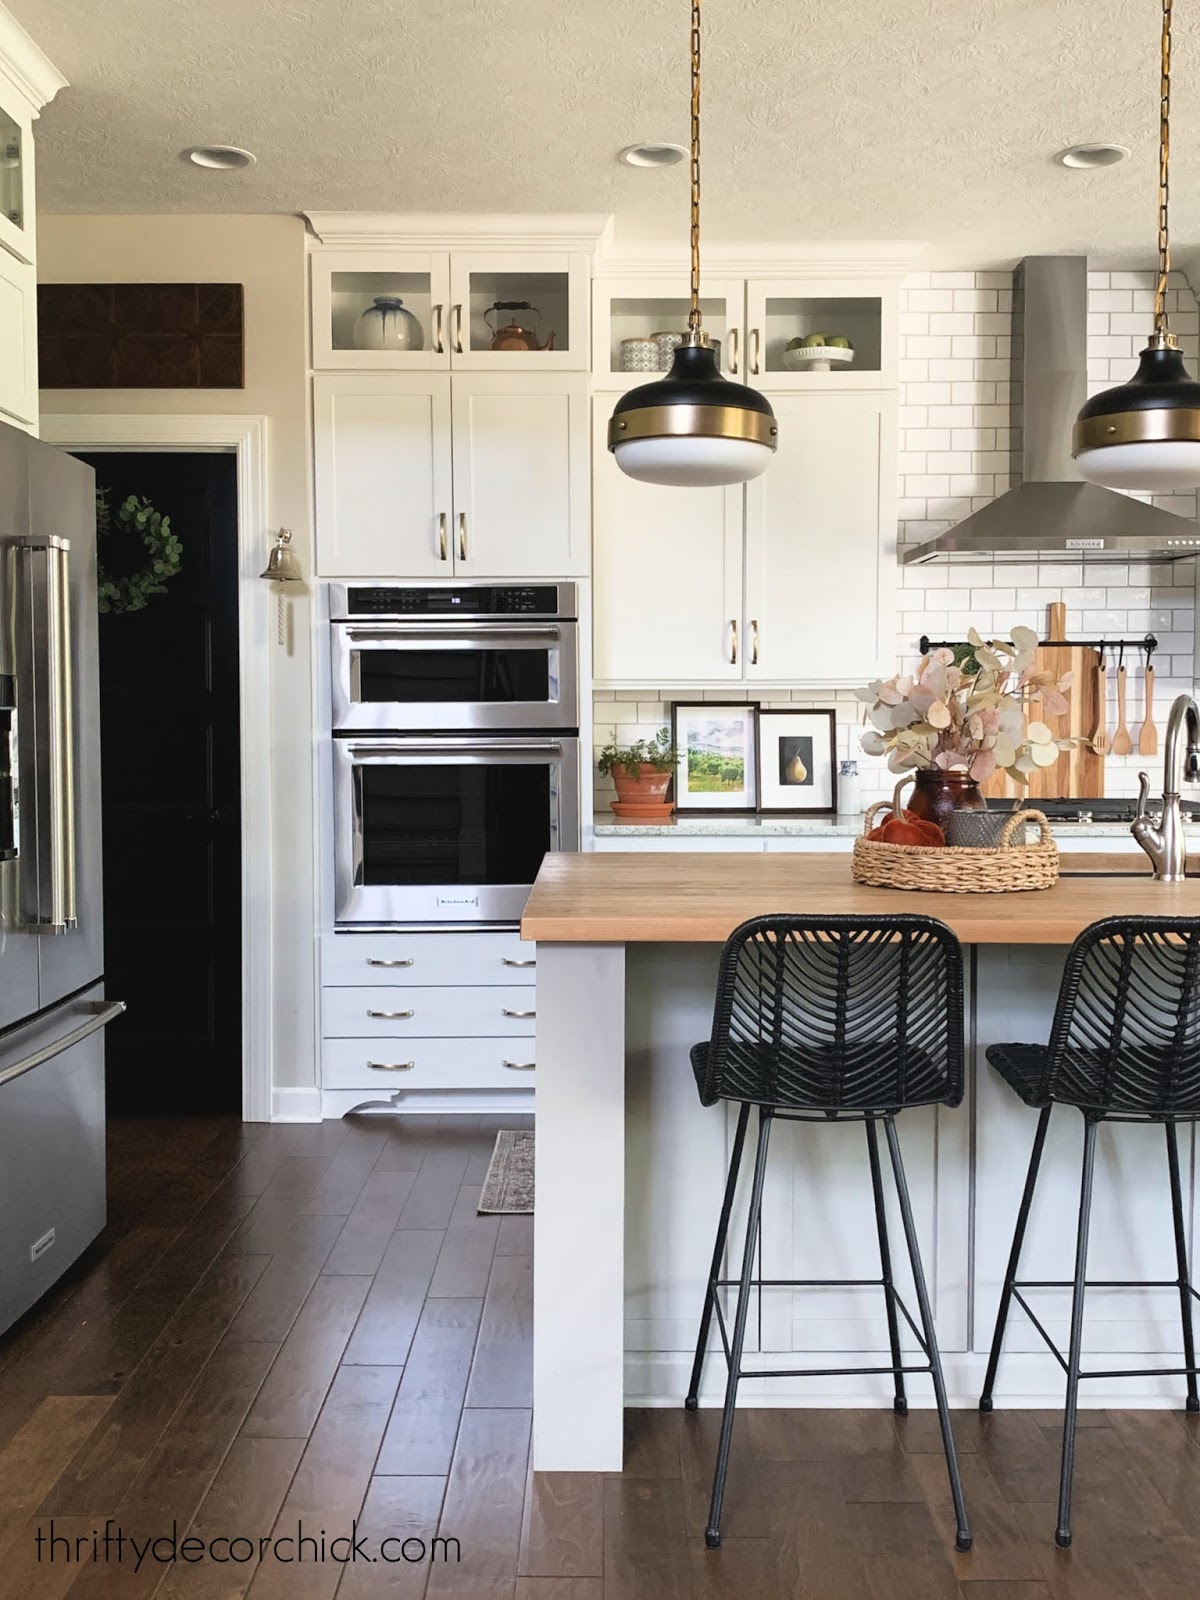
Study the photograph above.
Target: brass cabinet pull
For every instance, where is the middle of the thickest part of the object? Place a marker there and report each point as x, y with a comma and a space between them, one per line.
391, 1066
378, 961
438, 347
391, 1016
519, 1066
754, 351
443, 547
733, 641
508, 961
505, 1012
753, 642
731, 339
456, 313
462, 535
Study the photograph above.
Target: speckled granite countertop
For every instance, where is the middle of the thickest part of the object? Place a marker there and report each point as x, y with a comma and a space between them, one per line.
606, 826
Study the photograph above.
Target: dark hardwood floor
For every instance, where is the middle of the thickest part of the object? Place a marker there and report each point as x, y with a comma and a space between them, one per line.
311, 1324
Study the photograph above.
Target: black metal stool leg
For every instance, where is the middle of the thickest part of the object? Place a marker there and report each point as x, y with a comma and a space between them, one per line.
885, 1257
1062, 1536
963, 1537
735, 1162
1181, 1264
1014, 1259
712, 1536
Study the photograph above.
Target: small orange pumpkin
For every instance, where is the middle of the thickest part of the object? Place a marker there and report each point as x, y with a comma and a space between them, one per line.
909, 829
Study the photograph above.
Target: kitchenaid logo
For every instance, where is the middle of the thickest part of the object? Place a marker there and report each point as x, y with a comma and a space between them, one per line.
458, 900
1085, 544
113, 1545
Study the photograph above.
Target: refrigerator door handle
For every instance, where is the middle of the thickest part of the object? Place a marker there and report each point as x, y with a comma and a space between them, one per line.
43, 634
102, 1013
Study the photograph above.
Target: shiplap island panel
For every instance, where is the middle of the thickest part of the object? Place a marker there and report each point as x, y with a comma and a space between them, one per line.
631, 1166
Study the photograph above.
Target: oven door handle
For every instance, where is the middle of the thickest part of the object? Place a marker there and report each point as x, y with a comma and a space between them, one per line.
389, 751
417, 634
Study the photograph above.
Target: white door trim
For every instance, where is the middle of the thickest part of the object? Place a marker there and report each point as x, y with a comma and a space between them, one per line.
246, 436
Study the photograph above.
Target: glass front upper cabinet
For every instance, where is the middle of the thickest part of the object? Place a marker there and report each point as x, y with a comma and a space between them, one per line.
383, 310
819, 335
636, 326
16, 185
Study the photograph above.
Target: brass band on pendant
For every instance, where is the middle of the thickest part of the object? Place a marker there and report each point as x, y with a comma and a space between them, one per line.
1154, 425
694, 422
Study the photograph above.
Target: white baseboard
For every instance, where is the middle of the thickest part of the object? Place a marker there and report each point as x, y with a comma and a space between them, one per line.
336, 1102
296, 1105
1026, 1382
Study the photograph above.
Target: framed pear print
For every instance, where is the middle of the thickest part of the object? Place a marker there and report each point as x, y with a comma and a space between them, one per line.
797, 765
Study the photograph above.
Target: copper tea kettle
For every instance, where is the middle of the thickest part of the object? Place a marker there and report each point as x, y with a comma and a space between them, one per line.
513, 336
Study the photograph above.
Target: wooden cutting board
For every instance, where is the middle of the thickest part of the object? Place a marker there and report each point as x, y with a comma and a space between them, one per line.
1078, 772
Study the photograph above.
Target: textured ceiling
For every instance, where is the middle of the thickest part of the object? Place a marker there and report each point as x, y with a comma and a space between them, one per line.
902, 119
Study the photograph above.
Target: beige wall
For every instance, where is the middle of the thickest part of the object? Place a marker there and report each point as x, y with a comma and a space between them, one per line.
266, 255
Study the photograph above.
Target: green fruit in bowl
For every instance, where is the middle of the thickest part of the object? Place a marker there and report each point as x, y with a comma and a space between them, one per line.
796, 344
812, 340
839, 342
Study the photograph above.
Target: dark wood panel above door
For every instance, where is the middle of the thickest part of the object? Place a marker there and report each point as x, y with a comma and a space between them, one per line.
141, 336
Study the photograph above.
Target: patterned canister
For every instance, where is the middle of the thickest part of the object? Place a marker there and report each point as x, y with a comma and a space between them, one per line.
667, 344
639, 355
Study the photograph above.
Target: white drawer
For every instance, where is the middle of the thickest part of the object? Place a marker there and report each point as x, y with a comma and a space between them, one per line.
426, 958
386, 1065
399, 1012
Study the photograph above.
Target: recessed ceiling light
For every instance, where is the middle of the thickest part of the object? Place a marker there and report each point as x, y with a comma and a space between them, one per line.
652, 154
219, 157
1087, 157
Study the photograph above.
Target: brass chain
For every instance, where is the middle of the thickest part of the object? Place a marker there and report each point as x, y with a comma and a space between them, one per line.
694, 313
1164, 187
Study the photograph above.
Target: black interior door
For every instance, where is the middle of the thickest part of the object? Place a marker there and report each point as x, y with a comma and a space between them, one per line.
171, 798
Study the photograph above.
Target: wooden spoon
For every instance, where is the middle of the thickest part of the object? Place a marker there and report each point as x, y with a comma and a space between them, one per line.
1148, 738
1122, 744
1101, 743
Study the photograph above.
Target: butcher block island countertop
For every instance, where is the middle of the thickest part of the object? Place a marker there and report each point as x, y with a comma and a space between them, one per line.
635, 899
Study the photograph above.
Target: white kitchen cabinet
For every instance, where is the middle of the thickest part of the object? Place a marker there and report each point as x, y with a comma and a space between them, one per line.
666, 574
384, 484
639, 307
820, 561
521, 474
16, 177
345, 283
18, 341
863, 311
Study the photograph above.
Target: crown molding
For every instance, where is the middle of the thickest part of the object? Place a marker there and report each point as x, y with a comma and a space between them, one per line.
25, 66
841, 258
433, 230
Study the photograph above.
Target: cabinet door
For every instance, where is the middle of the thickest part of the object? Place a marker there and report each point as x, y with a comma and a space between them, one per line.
383, 480
542, 293
520, 475
406, 301
820, 542
628, 312
779, 311
667, 575
18, 341
16, 181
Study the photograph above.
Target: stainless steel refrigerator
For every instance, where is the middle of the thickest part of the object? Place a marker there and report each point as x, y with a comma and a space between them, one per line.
52, 1006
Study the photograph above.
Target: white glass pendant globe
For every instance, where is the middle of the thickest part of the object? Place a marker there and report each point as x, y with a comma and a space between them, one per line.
698, 463
1154, 466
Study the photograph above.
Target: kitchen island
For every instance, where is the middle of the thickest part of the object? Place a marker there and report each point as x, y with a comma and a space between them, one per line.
630, 1166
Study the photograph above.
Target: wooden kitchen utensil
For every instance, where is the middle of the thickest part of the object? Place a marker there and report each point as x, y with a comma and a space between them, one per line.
1122, 744
1079, 771
1100, 740
1148, 738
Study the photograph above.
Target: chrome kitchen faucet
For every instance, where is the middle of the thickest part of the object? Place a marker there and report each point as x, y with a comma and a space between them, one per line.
1165, 845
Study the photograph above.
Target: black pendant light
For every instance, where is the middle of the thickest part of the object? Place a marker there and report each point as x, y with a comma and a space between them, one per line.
693, 428
1145, 434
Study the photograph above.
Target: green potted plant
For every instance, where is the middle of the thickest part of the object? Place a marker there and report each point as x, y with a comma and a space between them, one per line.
642, 773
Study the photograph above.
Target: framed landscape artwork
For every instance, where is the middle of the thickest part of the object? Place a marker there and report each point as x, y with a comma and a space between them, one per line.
715, 768
797, 762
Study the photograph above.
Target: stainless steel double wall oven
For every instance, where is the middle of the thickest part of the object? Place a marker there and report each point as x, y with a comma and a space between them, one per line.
455, 748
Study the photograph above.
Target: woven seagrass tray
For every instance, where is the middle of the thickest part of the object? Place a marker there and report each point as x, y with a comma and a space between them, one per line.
1013, 866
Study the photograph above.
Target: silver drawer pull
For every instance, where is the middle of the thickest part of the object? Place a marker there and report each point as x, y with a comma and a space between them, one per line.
373, 961
519, 1066
507, 961
391, 1066
391, 1016
505, 1012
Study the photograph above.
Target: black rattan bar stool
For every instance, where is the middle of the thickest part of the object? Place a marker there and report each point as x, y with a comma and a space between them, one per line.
1124, 1047
847, 1019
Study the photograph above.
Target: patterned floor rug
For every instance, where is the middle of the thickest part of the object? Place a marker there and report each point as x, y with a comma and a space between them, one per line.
508, 1187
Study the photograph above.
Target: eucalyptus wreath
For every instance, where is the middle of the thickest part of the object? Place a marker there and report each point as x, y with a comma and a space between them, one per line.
136, 516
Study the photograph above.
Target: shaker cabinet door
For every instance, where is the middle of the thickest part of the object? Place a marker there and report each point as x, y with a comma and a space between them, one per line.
521, 475
18, 342
383, 477
667, 575
820, 543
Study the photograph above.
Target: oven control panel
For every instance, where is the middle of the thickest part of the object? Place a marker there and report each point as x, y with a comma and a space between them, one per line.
471, 600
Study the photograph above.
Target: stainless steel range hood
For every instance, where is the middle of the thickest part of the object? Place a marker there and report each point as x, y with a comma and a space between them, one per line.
1054, 513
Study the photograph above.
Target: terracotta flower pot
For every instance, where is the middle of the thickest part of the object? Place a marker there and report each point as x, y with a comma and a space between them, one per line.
643, 797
